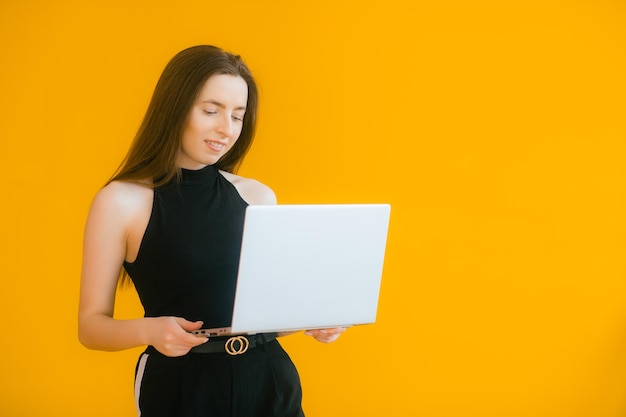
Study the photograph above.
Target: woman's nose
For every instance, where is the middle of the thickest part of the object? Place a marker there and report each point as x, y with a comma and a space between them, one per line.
225, 127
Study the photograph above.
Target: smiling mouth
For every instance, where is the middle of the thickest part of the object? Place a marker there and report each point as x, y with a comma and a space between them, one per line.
218, 146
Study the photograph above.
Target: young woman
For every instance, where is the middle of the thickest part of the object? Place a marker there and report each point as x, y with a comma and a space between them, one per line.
171, 220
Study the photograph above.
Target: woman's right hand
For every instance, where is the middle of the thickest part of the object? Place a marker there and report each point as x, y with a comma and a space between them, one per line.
170, 335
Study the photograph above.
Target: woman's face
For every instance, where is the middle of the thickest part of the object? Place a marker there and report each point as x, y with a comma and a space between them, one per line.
214, 122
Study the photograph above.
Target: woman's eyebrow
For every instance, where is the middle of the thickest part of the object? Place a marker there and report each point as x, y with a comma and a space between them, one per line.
219, 104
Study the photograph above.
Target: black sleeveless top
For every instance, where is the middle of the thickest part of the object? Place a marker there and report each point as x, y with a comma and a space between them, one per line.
188, 258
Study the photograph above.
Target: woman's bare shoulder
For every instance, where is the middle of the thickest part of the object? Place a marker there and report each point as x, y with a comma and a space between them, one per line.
251, 190
123, 197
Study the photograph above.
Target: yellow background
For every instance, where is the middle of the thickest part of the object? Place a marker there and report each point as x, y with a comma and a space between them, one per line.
495, 130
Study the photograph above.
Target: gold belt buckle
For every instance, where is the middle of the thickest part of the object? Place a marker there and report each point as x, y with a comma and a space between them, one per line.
236, 345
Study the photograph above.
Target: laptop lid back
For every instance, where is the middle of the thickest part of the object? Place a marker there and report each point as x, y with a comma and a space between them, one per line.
310, 266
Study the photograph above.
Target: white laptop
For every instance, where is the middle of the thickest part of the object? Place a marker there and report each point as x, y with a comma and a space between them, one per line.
308, 267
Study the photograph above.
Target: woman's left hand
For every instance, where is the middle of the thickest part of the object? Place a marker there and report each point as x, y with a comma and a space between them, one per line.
326, 335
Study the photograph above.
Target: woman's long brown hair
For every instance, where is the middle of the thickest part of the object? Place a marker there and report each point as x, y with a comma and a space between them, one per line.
152, 155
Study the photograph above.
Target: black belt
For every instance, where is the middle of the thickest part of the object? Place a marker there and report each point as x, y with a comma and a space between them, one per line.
235, 345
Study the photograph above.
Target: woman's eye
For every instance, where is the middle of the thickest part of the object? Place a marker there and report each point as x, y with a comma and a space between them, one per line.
238, 118
210, 112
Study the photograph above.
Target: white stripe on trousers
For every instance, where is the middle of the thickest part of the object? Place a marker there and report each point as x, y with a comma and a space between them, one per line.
140, 371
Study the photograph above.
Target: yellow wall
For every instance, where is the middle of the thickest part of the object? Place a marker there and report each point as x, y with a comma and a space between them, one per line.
495, 129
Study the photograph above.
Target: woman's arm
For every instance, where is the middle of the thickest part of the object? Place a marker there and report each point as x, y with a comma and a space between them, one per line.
114, 212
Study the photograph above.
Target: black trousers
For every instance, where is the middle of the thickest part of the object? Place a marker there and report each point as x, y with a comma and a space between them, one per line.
263, 382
